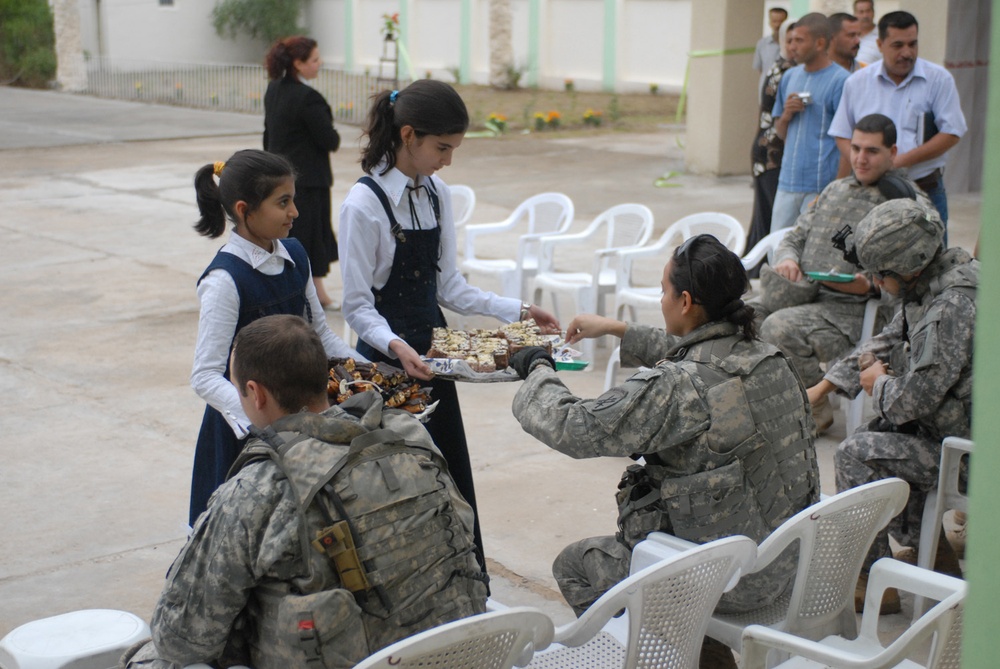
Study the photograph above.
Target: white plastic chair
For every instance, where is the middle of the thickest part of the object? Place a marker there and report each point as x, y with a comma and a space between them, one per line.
939, 500
833, 538
87, 639
463, 202
942, 625
854, 410
764, 248
540, 215
622, 227
494, 640
724, 227
667, 607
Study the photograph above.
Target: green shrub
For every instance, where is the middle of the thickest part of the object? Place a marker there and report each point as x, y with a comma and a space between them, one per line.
268, 20
27, 43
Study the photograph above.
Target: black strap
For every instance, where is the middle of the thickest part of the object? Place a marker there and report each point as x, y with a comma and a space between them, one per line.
394, 228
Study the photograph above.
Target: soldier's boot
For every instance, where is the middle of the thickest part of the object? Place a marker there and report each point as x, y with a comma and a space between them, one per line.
890, 598
822, 412
956, 534
716, 655
945, 562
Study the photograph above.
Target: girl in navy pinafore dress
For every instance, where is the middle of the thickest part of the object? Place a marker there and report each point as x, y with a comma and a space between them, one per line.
259, 272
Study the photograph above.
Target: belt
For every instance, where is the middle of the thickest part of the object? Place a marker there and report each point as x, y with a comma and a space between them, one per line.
929, 181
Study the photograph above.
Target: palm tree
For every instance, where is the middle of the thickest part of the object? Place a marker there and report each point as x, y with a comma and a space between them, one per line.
71, 73
501, 44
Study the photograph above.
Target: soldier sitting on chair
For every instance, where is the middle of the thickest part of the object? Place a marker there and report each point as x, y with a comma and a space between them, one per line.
816, 322
918, 371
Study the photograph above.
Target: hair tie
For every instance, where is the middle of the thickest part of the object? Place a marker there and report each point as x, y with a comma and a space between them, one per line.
218, 167
733, 307
392, 97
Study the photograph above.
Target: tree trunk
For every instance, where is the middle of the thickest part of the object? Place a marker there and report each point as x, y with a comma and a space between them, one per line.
71, 72
501, 44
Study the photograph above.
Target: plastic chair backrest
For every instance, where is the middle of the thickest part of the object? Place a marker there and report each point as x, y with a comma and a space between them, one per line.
494, 640
545, 213
628, 225
723, 227
942, 626
463, 201
765, 249
668, 606
833, 536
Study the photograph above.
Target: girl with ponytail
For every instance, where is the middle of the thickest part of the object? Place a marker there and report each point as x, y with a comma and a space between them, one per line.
258, 272
398, 251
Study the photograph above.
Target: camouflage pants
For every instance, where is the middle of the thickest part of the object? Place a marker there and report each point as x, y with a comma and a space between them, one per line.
815, 333
868, 456
587, 569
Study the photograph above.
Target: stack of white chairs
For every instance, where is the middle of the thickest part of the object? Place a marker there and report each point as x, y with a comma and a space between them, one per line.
538, 216
947, 495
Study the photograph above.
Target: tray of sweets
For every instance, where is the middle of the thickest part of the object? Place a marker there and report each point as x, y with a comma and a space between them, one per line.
399, 391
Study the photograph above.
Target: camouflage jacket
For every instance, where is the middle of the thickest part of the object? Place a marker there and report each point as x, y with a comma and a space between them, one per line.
844, 201
665, 410
928, 347
237, 586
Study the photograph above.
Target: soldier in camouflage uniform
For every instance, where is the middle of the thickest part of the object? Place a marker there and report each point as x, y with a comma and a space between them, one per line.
921, 378
241, 587
720, 420
814, 323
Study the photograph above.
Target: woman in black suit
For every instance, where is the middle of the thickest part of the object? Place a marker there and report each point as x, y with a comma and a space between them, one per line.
298, 125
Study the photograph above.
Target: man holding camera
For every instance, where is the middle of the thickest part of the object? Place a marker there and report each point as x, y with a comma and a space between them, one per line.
807, 99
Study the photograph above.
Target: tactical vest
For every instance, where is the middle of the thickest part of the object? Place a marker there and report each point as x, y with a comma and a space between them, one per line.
752, 482
952, 271
386, 538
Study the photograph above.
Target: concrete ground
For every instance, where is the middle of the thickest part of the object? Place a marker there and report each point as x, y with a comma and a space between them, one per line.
98, 316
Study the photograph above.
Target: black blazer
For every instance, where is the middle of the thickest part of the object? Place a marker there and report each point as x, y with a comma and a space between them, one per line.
298, 125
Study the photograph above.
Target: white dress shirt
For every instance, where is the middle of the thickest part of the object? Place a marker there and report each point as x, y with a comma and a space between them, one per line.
367, 249
868, 51
220, 311
928, 88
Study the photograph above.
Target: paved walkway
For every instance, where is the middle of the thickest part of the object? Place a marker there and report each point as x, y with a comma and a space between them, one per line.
98, 318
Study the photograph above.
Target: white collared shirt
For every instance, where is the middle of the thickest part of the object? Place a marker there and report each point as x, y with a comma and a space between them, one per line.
928, 88
367, 249
220, 311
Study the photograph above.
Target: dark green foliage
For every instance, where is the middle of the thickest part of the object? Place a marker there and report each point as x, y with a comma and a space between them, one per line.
267, 20
27, 43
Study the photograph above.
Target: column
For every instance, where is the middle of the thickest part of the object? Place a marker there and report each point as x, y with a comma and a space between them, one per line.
722, 95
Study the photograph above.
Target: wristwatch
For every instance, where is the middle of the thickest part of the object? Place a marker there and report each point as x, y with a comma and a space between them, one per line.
525, 310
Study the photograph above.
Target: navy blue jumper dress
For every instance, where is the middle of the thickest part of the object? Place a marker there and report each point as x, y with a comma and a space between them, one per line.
408, 302
260, 295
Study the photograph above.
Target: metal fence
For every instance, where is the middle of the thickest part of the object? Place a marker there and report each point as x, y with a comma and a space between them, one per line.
236, 88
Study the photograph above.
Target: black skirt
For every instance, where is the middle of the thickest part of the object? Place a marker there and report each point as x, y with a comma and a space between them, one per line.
314, 228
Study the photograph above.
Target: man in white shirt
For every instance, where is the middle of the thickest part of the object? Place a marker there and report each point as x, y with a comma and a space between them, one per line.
768, 47
921, 99
868, 48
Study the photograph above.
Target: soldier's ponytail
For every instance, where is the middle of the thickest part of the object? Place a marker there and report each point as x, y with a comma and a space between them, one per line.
715, 278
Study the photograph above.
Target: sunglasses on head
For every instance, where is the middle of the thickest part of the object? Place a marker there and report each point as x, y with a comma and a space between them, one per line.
683, 253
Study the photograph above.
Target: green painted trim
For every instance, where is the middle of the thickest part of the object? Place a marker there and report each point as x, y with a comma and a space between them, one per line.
348, 35
610, 45
465, 43
534, 40
800, 8
404, 70
979, 646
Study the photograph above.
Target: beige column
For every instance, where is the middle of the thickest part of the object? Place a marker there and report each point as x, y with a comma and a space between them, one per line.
932, 15
722, 96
